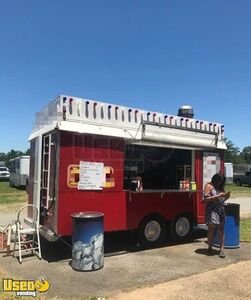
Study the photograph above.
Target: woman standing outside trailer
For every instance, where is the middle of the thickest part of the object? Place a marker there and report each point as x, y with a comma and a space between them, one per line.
214, 197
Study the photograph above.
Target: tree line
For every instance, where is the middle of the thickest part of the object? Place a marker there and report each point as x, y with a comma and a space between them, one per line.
232, 154
235, 156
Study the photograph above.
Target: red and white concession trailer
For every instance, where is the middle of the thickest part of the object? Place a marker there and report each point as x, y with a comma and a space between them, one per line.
84, 153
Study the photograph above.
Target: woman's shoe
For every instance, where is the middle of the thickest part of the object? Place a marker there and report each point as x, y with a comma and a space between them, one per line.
209, 251
222, 254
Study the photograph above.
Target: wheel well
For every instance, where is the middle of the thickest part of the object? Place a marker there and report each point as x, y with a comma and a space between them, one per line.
186, 214
152, 215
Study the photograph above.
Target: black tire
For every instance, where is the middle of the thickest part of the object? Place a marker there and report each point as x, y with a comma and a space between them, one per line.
181, 228
152, 231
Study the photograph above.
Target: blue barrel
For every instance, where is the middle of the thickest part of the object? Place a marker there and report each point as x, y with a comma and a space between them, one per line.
87, 241
232, 227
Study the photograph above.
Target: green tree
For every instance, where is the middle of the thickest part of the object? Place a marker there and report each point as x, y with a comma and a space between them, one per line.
3, 157
246, 154
233, 154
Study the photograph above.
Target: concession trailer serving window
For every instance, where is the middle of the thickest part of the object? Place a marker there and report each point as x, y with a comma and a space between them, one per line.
160, 168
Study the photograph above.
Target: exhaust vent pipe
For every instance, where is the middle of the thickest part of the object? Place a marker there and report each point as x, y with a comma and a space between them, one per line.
186, 111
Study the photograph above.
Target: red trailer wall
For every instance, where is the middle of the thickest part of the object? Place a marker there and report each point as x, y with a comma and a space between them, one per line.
111, 201
200, 205
166, 204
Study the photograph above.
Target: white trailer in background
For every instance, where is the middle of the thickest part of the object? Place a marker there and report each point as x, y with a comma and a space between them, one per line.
19, 171
229, 174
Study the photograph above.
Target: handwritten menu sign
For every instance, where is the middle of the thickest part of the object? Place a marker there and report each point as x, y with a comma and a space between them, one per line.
91, 176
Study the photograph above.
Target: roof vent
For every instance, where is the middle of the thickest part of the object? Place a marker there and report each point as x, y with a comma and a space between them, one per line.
186, 111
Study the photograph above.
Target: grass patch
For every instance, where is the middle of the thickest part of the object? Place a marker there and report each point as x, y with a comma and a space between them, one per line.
11, 198
238, 191
245, 230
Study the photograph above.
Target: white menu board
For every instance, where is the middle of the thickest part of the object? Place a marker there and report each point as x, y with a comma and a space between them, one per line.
91, 176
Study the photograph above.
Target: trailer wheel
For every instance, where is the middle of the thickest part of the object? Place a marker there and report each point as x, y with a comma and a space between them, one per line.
181, 228
152, 231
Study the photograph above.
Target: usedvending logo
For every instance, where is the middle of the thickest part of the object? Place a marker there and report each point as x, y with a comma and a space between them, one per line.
25, 287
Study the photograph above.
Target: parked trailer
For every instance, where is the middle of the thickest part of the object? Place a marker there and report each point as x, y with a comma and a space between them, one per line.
84, 154
228, 171
19, 171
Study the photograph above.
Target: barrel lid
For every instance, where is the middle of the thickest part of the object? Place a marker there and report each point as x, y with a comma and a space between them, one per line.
87, 214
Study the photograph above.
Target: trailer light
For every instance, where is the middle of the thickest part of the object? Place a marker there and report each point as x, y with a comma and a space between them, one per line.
196, 124
94, 110
136, 115
70, 105
64, 113
78, 109
148, 115
116, 112
129, 114
109, 111
154, 115
86, 109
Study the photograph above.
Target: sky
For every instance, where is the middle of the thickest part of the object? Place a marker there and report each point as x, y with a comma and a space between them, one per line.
155, 55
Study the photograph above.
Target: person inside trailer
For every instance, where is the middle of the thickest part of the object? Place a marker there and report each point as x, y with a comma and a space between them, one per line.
136, 184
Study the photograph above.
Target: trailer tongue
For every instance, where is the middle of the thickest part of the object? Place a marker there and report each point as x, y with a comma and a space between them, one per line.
85, 153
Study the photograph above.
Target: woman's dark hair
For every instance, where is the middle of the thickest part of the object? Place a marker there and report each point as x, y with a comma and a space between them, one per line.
218, 181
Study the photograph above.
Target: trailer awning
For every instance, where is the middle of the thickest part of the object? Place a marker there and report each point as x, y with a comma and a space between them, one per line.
147, 134
153, 134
